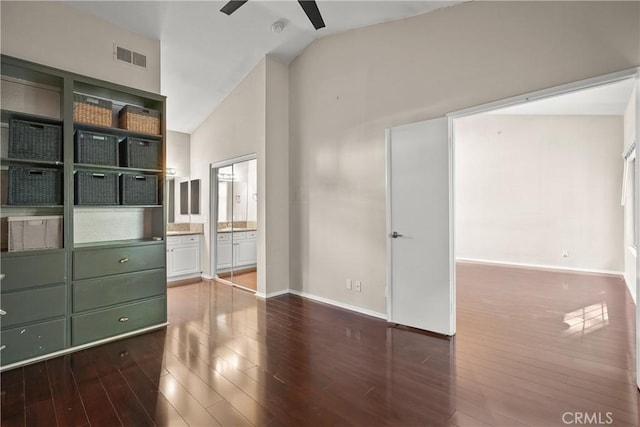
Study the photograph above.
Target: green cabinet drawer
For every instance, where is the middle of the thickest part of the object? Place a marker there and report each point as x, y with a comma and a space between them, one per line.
92, 263
32, 341
33, 305
105, 291
117, 320
27, 271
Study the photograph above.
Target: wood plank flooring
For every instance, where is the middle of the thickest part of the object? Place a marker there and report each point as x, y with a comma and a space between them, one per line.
532, 347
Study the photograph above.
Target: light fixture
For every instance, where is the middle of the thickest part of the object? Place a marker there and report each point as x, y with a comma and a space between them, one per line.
171, 171
277, 27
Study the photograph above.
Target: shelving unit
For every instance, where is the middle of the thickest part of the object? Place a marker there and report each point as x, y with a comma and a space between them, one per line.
104, 246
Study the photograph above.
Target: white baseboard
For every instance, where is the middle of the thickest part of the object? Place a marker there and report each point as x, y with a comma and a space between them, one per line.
272, 294
339, 304
207, 276
540, 266
183, 277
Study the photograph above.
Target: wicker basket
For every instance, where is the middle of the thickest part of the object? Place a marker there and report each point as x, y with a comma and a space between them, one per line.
35, 141
34, 186
140, 153
96, 148
139, 119
93, 188
95, 111
138, 189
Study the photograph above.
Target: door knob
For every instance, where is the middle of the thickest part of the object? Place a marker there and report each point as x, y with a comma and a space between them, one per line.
395, 235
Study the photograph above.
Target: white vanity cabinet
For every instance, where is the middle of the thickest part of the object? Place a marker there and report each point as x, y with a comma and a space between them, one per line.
183, 256
236, 249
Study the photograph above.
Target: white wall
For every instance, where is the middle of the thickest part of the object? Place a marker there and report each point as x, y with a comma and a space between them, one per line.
54, 34
528, 188
630, 126
346, 89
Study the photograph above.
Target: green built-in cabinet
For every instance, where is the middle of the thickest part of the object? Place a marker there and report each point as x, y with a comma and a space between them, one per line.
108, 278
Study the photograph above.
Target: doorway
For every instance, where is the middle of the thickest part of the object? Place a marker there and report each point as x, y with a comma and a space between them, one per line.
234, 196
434, 133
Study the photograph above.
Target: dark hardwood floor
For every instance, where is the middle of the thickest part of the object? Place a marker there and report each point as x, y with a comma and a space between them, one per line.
532, 347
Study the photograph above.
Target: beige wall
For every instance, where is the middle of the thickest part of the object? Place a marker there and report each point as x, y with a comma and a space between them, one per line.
179, 152
246, 123
55, 34
528, 188
346, 89
630, 129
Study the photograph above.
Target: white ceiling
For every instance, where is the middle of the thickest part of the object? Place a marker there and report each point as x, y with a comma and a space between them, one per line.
205, 53
605, 100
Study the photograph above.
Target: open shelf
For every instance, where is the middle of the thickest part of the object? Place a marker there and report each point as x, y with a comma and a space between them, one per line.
117, 243
31, 162
6, 115
115, 206
123, 169
115, 131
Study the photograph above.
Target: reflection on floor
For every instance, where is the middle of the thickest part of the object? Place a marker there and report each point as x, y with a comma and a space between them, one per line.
533, 348
247, 279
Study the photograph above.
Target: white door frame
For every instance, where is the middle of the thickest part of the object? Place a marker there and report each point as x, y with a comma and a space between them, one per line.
515, 100
213, 204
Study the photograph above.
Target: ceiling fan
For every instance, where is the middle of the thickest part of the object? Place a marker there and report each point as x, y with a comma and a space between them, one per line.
309, 6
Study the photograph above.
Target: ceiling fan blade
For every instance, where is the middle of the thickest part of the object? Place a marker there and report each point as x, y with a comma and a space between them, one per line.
311, 9
232, 6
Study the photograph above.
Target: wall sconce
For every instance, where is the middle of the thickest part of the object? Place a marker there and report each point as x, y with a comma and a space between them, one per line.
171, 171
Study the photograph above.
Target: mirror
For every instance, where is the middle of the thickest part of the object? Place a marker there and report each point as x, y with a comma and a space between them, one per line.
195, 196
238, 195
184, 198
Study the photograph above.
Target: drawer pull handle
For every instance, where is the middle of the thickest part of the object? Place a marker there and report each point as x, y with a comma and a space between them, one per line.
2, 312
123, 260
123, 319
3, 347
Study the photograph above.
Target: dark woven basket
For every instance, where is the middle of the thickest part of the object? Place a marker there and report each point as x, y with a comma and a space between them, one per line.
92, 188
140, 153
35, 141
96, 148
34, 186
138, 189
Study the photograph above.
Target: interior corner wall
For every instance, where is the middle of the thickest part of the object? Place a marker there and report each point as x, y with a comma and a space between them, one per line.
235, 128
275, 177
346, 89
60, 36
179, 153
630, 129
528, 188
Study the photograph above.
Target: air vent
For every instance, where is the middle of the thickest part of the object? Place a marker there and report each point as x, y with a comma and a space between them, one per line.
123, 54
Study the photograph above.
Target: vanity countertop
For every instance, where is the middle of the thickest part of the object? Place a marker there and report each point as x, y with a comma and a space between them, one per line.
182, 233
237, 229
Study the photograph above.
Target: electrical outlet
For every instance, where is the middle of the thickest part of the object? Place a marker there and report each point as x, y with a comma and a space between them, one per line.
357, 285
348, 284
565, 254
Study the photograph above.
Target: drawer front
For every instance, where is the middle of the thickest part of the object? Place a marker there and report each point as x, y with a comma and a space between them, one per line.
224, 236
107, 291
117, 320
239, 236
33, 305
187, 240
252, 234
173, 241
32, 341
88, 264
32, 270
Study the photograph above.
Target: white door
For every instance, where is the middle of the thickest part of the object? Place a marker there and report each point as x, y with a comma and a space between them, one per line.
421, 267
